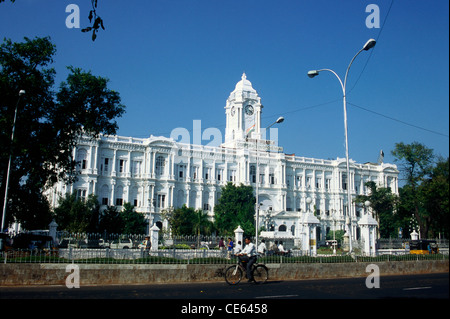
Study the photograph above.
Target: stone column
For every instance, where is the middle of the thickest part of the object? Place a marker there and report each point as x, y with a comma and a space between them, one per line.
368, 234
154, 231
239, 235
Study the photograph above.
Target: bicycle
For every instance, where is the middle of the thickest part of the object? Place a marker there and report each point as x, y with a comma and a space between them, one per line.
235, 273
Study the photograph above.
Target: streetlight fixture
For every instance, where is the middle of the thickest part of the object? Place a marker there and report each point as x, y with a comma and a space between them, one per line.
313, 73
257, 204
5, 200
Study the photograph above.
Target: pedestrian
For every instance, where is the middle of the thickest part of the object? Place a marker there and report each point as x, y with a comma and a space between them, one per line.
230, 247
262, 248
238, 248
221, 244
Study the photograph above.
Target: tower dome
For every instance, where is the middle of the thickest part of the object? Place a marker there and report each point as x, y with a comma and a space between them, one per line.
244, 85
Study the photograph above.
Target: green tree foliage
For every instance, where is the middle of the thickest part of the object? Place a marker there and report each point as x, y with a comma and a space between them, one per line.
425, 194
133, 222
48, 123
188, 221
382, 205
94, 19
236, 207
76, 215
110, 221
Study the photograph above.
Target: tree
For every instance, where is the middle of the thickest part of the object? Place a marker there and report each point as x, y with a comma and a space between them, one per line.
383, 205
425, 194
435, 191
48, 123
77, 215
236, 207
415, 164
94, 19
110, 221
188, 221
133, 222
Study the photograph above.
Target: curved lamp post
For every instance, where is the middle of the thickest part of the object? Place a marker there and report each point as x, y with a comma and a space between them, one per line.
257, 204
5, 200
313, 73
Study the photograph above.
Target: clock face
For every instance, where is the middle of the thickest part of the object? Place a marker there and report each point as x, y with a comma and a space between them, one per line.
249, 110
233, 111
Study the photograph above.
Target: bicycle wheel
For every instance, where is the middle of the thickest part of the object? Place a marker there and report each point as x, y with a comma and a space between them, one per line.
260, 274
233, 275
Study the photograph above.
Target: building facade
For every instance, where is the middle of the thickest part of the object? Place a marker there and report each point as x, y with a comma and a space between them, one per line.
157, 173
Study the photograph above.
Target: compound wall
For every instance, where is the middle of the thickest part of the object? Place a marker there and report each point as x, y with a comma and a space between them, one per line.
104, 274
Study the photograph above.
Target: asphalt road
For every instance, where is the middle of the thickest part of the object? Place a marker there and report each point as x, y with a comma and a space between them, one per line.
396, 295
406, 286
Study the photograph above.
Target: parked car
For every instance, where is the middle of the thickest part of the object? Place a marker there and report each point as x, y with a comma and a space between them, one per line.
71, 243
122, 243
103, 243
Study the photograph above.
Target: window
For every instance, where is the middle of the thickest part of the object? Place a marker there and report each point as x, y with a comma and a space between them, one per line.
207, 171
206, 206
106, 165
181, 172
253, 174
121, 166
328, 183
137, 167
282, 228
344, 181
299, 181
82, 158
272, 178
161, 201
318, 182
105, 195
160, 164
119, 196
81, 194
232, 175
219, 173
194, 172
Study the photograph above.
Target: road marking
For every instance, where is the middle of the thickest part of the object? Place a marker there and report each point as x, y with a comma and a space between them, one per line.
416, 288
279, 296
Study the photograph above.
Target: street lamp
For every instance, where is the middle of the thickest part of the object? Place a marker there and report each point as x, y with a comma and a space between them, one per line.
313, 73
257, 204
5, 200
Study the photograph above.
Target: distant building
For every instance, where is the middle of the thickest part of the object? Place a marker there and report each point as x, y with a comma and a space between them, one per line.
156, 173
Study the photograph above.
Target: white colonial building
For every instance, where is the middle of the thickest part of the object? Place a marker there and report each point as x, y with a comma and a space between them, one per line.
157, 173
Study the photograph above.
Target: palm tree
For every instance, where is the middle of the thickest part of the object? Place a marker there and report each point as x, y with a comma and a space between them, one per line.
201, 223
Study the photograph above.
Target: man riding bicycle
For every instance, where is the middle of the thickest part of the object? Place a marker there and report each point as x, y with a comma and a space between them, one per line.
248, 256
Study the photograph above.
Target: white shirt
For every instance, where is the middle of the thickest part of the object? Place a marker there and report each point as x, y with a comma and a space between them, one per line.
249, 250
262, 248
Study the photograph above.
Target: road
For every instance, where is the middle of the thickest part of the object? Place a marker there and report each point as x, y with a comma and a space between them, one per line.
274, 293
406, 286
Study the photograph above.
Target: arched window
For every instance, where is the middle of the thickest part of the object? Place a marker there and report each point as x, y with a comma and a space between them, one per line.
282, 228
105, 195
119, 196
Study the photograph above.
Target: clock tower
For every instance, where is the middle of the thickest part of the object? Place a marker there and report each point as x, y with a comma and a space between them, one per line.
243, 113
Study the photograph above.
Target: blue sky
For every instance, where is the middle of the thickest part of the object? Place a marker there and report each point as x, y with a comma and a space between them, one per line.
175, 61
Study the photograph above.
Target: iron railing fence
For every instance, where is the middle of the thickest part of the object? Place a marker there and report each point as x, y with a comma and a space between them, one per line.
188, 256
399, 243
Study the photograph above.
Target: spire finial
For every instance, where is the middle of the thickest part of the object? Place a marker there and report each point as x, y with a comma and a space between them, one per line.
244, 76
